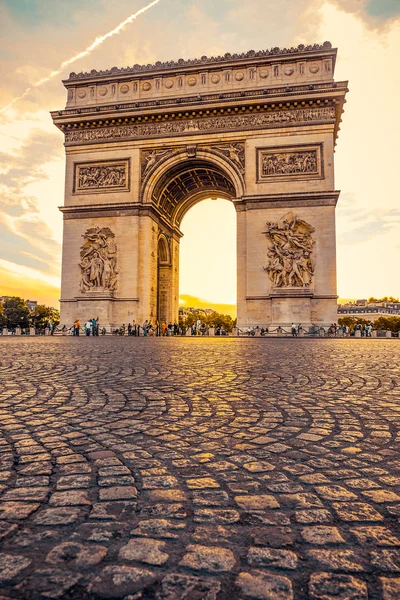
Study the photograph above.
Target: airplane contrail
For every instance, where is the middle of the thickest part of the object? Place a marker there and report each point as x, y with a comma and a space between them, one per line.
99, 40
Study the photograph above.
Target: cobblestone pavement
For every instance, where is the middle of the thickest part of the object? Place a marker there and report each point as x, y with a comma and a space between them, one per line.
199, 469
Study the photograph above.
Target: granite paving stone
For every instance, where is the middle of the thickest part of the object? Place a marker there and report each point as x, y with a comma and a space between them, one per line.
199, 469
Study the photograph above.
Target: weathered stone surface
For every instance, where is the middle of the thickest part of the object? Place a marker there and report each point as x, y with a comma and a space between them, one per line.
321, 535
390, 588
182, 587
11, 566
49, 583
272, 557
57, 516
118, 493
116, 581
70, 498
330, 586
162, 528
13, 511
210, 558
144, 550
265, 586
251, 503
337, 560
76, 555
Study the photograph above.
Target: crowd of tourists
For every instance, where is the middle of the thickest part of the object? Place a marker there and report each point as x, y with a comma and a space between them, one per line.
93, 328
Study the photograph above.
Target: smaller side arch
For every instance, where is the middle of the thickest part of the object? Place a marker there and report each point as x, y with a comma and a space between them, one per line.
164, 252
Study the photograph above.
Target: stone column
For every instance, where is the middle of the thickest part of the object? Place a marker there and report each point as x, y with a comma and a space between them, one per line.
5, 331
258, 332
32, 331
374, 333
357, 333
235, 332
211, 331
188, 332
388, 334
18, 331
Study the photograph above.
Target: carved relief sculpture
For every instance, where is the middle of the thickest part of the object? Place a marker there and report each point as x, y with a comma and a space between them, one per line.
98, 260
187, 127
304, 162
290, 253
235, 152
95, 177
150, 158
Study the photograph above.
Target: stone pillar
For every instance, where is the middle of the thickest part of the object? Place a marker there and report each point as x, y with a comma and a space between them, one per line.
18, 331
322, 332
388, 334
374, 333
258, 332
32, 331
47, 331
235, 332
357, 333
211, 331
188, 332
5, 331
301, 333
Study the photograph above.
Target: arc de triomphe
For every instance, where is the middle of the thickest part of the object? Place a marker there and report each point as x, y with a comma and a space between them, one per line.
145, 143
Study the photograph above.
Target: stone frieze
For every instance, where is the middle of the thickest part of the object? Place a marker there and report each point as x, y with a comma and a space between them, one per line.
205, 125
103, 176
290, 162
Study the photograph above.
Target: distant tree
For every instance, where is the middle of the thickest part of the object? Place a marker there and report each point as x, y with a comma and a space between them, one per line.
43, 315
392, 323
353, 321
2, 317
214, 319
16, 313
384, 299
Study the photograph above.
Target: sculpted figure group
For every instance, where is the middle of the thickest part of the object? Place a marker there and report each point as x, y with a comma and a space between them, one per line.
290, 252
99, 177
98, 260
290, 162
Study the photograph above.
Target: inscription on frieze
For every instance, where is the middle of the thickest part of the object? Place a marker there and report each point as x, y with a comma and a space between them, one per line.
101, 177
294, 162
281, 118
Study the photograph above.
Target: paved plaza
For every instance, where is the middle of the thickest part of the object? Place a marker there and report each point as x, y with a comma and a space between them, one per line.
199, 469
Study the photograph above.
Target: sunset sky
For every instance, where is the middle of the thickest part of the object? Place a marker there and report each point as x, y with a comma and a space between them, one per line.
37, 36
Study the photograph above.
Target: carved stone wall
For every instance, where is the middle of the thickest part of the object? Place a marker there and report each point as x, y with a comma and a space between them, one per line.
283, 163
103, 176
151, 159
290, 253
281, 118
98, 261
259, 69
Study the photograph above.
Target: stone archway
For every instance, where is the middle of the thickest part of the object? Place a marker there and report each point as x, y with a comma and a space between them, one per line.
144, 144
172, 188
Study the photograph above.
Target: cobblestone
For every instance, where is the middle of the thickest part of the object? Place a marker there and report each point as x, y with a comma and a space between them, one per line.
183, 469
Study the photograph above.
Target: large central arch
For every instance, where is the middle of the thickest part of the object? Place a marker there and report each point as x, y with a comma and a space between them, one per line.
144, 144
172, 188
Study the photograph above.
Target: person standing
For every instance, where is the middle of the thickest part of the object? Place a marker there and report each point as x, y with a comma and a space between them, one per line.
294, 330
88, 327
76, 327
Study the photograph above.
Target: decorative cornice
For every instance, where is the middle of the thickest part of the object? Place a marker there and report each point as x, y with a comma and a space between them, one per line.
203, 61
287, 200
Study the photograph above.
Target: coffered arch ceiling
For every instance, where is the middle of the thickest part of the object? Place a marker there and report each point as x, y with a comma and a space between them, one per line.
187, 183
